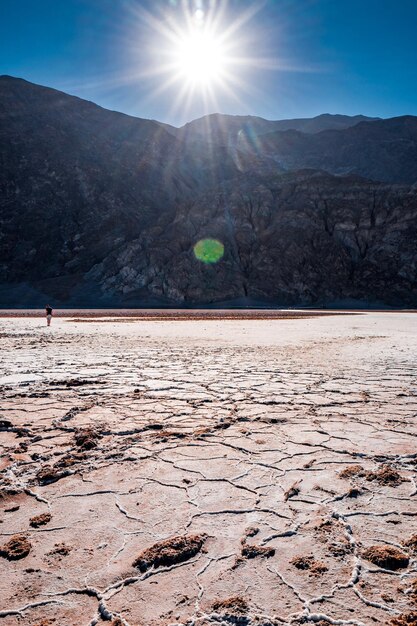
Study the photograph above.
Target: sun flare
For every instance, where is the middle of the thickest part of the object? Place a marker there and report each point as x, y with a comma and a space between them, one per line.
200, 58
196, 51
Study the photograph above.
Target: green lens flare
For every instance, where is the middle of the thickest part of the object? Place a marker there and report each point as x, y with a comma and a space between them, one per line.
209, 250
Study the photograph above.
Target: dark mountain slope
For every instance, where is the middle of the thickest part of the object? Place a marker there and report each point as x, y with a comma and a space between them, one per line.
384, 150
77, 178
300, 238
99, 208
228, 130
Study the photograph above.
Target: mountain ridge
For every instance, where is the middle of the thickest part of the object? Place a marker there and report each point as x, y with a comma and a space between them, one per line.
339, 119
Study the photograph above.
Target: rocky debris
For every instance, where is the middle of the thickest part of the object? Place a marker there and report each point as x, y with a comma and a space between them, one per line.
385, 475
40, 520
293, 491
7, 426
87, 438
71, 382
47, 475
386, 556
9, 490
251, 551
309, 563
60, 549
170, 551
165, 435
405, 619
233, 607
411, 544
16, 548
22, 447
340, 548
331, 533
68, 460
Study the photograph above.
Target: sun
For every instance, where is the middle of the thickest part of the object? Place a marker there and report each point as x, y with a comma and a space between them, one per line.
195, 51
200, 58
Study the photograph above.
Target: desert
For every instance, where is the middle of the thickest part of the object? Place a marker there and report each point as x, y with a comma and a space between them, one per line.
251, 468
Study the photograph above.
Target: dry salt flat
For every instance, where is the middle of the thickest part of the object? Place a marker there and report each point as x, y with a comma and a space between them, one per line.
208, 471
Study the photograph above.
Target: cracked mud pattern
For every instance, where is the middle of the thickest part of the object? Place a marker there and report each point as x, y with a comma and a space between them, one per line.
252, 472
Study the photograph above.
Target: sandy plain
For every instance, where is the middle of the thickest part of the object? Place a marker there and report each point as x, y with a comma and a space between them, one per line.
214, 471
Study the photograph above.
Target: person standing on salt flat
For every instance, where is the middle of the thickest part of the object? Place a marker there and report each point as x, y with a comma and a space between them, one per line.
48, 310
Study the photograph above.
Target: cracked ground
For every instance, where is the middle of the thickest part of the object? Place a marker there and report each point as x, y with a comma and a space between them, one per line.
214, 471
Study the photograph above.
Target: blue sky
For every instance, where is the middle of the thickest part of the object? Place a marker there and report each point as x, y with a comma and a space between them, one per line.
301, 57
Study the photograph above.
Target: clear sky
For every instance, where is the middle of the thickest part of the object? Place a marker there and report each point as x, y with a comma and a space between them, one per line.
275, 59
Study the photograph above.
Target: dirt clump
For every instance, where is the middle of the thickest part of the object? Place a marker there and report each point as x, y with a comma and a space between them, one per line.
69, 460
411, 544
309, 563
60, 549
405, 619
386, 475
165, 435
170, 551
86, 438
293, 491
116, 622
331, 533
387, 557
40, 520
252, 551
351, 471
16, 548
235, 606
340, 548
47, 475
201, 432
73, 382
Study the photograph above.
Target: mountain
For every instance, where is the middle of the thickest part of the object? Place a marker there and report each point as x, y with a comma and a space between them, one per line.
384, 150
98, 208
228, 129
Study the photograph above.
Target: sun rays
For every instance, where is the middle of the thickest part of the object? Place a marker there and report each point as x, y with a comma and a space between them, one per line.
196, 50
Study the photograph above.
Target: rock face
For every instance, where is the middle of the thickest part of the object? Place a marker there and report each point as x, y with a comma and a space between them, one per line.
98, 208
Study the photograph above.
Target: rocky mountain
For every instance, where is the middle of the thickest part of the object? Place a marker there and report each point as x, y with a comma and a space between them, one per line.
98, 208
384, 150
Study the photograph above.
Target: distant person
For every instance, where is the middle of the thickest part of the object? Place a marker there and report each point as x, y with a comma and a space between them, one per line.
48, 310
